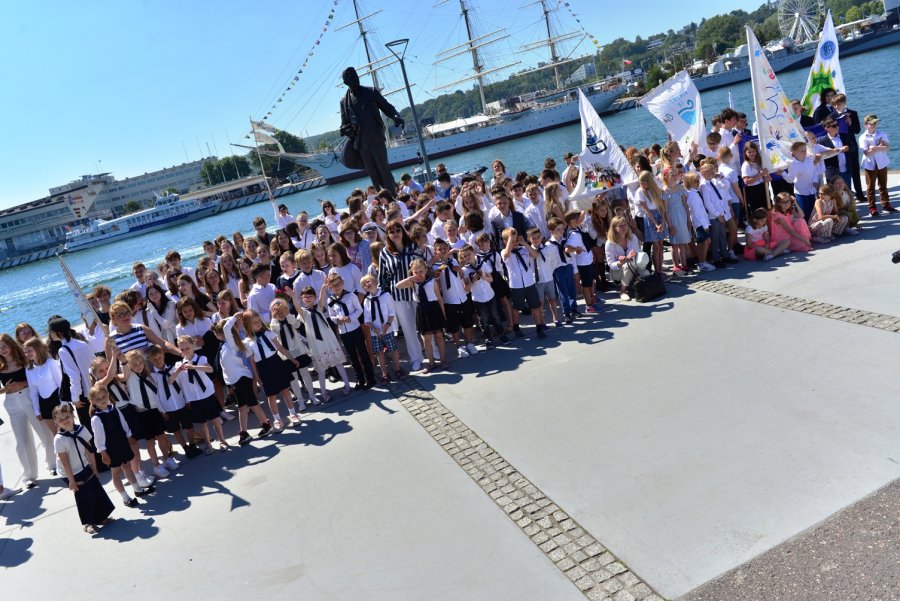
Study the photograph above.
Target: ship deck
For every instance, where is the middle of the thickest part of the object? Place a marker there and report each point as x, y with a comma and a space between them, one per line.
723, 442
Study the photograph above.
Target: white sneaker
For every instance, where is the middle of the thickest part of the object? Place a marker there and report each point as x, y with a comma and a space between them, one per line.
226, 416
852, 231
473, 350
9, 492
143, 480
415, 366
731, 255
160, 472
462, 352
707, 267
171, 464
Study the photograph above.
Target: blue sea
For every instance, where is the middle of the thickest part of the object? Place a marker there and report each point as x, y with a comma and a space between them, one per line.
33, 292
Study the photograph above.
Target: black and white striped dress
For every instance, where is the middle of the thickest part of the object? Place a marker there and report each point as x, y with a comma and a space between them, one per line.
394, 268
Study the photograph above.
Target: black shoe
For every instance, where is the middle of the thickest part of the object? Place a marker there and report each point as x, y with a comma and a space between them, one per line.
719, 264
889, 210
518, 332
369, 384
504, 338
131, 503
244, 439
192, 451
488, 343
360, 386
731, 261
541, 333
150, 489
569, 319
264, 431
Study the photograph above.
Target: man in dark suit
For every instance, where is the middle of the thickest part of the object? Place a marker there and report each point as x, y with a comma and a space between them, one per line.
361, 109
503, 215
839, 164
849, 128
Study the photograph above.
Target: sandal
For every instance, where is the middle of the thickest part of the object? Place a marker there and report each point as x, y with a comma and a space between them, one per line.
90, 529
385, 379
444, 365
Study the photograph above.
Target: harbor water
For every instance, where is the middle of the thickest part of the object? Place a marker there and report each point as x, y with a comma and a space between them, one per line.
33, 292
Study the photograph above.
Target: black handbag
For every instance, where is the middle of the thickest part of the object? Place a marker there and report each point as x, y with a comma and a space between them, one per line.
649, 288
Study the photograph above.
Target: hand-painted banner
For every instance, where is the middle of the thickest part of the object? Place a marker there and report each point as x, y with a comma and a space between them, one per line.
602, 165
826, 68
778, 128
676, 103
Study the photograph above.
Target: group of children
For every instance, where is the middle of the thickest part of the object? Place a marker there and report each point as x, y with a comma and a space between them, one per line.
456, 261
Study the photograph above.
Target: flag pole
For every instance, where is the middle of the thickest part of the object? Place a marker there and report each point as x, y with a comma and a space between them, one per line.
262, 169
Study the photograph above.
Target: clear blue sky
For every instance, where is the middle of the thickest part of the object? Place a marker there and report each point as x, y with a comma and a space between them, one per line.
127, 86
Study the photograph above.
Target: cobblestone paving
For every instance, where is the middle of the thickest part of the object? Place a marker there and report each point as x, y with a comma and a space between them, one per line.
586, 562
879, 321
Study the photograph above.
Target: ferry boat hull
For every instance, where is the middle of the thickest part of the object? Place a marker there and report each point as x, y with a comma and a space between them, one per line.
536, 120
140, 229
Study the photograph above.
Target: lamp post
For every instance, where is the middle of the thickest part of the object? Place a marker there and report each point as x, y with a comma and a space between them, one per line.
404, 43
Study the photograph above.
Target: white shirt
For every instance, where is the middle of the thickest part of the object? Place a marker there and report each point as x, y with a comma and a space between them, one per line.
481, 289
315, 279
351, 275
201, 387
378, 309
437, 231
731, 176
174, 400
455, 293
804, 175
749, 169
877, 160
135, 388
166, 322
535, 214
288, 334
43, 381
351, 308
75, 358
520, 266
641, 198
614, 251
259, 299
546, 262
75, 450
699, 216
841, 157
283, 220
716, 204
196, 328
96, 341
230, 356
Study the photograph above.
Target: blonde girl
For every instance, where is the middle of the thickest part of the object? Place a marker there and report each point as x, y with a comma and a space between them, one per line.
429, 311
675, 198
656, 229
271, 370
287, 328
142, 394
324, 347
553, 206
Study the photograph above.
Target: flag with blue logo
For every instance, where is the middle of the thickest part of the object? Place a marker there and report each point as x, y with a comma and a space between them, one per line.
826, 68
777, 125
676, 103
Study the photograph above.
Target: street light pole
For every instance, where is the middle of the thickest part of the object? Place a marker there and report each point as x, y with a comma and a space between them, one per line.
390, 46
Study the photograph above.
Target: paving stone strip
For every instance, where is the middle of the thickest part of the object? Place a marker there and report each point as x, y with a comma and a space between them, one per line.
890, 323
588, 564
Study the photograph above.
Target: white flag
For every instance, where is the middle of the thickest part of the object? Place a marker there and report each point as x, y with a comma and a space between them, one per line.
602, 164
84, 306
778, 128
826, 68
263, 126
676, 103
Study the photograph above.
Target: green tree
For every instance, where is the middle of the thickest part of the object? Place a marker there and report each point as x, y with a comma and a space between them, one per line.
655, 75
230, 168
131, 206
721, 32
854, 13
171, 190
277, 166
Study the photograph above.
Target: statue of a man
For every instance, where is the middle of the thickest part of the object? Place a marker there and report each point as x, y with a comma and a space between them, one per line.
361, 109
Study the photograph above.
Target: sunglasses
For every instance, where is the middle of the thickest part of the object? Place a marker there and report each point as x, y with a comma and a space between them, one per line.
395, 230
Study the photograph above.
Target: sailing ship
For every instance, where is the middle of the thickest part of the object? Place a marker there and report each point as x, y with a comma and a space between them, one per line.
526, 115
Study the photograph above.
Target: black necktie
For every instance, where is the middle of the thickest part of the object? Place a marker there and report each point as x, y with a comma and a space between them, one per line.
336, 300
561, 247
265, 341
423, 295
285, 330
447, 270
375, 300
144, 383
119, 394
716, 190
194, 378
315, 322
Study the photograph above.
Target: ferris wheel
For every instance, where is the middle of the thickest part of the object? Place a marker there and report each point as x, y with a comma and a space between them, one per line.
800, 20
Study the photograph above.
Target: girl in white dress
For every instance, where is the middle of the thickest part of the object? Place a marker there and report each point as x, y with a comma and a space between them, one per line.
324, 347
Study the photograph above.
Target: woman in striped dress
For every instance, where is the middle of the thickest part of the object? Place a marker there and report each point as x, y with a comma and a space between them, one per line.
393, 267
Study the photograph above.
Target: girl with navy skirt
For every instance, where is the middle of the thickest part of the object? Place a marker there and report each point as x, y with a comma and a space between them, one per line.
273, 372
75, 460
430, 318
113, 441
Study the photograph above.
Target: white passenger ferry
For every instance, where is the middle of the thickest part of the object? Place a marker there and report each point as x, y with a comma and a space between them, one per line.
168, 210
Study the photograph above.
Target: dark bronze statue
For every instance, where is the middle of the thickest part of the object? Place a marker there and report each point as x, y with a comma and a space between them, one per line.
361, 109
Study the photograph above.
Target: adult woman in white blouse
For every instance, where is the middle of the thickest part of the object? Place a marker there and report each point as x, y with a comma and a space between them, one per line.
621, 250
